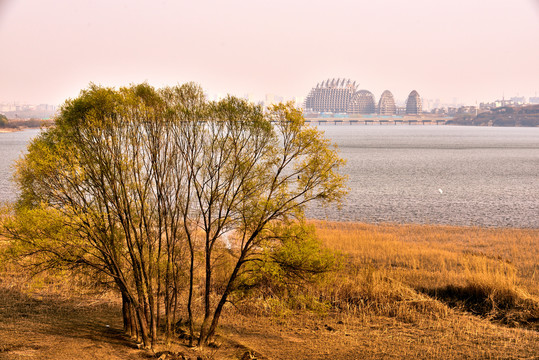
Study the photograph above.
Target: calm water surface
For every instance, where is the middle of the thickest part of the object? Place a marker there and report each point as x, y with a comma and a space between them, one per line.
487, 176
12, 146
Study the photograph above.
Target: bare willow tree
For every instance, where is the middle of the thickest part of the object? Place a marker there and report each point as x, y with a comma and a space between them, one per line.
246, 170
142, 184
105, 175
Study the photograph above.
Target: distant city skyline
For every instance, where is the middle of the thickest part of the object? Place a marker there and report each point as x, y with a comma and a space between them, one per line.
16, 110
472, 50
264, 99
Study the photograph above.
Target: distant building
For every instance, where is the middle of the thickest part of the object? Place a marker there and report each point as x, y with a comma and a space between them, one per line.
413, 104
486, 106
362, 102
401, 110
518, 100
330, 96
386, 105
467, 110
27, 111
452, 111
439, 111
298, 101
342, 96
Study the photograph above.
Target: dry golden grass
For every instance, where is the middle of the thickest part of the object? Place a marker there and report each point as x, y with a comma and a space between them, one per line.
402, 291
406, 291
491, 272
340, 336
457, 252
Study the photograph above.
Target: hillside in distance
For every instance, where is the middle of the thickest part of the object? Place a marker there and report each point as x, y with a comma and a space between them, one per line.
524, 115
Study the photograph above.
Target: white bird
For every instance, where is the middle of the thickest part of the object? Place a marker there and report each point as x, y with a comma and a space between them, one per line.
440, 190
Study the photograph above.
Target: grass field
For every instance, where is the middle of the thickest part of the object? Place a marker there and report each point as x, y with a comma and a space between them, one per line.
400, 291
490, 272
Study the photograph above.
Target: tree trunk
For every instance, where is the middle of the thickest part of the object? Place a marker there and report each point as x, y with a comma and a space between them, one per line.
207, 304
222, 301
153, 319
143, 326
126, 315
190, 299
168, 297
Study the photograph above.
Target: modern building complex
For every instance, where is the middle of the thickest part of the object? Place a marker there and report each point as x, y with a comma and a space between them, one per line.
331, 96
342, 96
386, 105
413, 104
362, 103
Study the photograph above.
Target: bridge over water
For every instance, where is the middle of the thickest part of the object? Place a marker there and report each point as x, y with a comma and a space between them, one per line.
378, 120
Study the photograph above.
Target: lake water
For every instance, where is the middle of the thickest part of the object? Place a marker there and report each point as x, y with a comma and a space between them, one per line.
12, 146
488, 176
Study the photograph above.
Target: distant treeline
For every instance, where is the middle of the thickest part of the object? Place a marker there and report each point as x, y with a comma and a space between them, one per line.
23, 123
525, 115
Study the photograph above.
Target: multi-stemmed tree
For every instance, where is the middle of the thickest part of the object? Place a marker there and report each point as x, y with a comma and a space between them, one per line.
147, 186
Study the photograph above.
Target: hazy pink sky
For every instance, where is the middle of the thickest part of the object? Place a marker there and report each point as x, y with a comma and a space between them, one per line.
465, 49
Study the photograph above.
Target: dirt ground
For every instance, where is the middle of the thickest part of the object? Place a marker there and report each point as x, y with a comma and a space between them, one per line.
41, 327
34, 326
331, 337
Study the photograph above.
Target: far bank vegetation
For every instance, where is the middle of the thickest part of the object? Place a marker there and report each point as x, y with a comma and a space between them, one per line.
17, 124
523, 115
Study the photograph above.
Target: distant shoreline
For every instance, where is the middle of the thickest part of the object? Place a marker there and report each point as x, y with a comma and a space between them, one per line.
10, 130
15, 125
